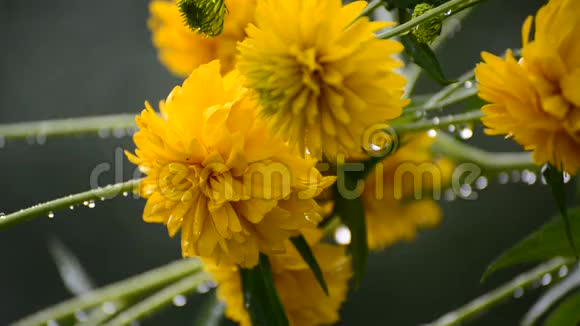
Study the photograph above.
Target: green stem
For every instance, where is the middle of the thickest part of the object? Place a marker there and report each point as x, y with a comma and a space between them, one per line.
64, 127
437, 122
499, 295
403, 28
489, 162
126, 289
371, 7
48, 208
159, 300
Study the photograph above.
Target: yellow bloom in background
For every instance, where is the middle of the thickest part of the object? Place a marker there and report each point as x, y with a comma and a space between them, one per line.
300, 293
321, 75
215, 172
537, 100
181, 50
398, 194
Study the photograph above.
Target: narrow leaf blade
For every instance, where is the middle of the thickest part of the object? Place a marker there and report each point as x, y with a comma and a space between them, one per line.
260, 295
545, 243
304, 249
566, 313
425, 58
555, 180
352, 214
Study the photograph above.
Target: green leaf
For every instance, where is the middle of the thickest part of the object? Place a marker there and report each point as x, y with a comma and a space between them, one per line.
72, 273
304, 249
547, 242
352, 214
555, 180
260, 295
425, 58
211, 313
567, 313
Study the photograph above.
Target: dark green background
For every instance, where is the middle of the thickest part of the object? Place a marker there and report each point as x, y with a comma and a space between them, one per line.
67, 58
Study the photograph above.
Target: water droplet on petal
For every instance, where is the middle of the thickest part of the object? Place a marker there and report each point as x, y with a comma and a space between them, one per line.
179, 300
342, 235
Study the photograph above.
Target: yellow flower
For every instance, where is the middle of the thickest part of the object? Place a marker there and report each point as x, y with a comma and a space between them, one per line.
215, 172
321, 75
398, 194
300, 293
182, 50
537, 100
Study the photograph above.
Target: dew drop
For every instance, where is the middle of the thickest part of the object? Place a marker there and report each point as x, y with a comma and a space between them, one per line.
71, 207
91, 204
451, 128
481, 183
342, 235
51, 323
109, 308
436, 121
529, 177
50, 215
125, 194
468, 84
86, 203
30, 139
419, 114
2, 216
41, 139
203, 288
104, 133
447, 13
546, 279
563, 271
81, 315
516, 176
518, 293
450, 195
567, 177
179, 300
432, 133
466, 133
119, 132
103, 198
465, 191
503, 178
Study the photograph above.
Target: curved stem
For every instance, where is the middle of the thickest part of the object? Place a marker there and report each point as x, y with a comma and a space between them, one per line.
403, 28
499, 295
47, 208
437, 122
159, 300
489, 162
129, 288
63, 127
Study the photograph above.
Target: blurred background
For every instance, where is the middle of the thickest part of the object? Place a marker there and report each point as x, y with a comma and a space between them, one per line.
64, 58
